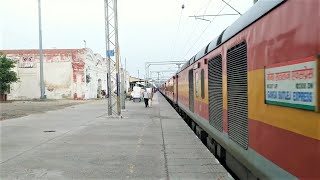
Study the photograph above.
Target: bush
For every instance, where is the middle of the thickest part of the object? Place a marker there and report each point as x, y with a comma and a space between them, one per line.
7, 76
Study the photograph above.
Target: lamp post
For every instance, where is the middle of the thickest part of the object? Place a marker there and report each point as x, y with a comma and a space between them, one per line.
42, 90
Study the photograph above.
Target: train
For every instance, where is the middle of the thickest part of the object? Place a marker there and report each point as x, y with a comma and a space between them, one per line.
252, 95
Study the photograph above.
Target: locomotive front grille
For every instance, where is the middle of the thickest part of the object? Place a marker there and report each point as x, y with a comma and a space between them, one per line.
237, 88
215, 93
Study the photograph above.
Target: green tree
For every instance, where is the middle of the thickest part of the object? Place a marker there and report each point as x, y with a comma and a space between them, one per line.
7, 76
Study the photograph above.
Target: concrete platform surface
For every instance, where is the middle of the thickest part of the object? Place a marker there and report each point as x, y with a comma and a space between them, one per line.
81, 142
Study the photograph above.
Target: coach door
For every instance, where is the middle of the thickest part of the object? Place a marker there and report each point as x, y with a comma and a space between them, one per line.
176, 89
191, 91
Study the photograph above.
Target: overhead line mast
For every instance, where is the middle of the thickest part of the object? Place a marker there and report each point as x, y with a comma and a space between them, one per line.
112, 48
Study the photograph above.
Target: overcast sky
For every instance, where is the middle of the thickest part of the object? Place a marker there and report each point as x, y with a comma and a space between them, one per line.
149, 30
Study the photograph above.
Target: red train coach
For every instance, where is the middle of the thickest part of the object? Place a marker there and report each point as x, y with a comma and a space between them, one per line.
169, 89
255, 91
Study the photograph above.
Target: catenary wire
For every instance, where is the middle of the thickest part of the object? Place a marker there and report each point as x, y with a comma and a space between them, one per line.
205, 29
195, 27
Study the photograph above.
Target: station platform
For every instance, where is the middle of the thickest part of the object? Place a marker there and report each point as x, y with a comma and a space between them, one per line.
81, 142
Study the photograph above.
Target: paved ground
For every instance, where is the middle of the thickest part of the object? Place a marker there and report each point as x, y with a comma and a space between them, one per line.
147, 143
15, 109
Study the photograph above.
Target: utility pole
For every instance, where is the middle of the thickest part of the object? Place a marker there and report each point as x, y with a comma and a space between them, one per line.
117, 49
42, 88
125, 68
122, 89
125, 88
112, 47
123, 97
125, 75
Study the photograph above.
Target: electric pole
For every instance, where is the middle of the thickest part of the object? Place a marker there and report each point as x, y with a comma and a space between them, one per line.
122, 89
123, 96
42, 88
112, 48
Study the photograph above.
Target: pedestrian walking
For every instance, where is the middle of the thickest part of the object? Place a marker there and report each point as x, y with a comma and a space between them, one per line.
146, 97
151, 97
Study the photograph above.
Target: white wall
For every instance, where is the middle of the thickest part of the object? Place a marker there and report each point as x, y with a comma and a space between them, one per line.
96, 68
58, 77
62, 80
28, 86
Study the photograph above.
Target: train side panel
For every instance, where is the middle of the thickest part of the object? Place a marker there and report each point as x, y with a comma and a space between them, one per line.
287, 138
280, 134
169, 91
183, 90
200, 70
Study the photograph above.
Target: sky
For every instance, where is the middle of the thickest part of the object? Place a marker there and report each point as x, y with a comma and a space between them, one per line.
149, 30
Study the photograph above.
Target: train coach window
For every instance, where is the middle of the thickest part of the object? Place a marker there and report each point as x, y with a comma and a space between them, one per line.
197, 84
202, 84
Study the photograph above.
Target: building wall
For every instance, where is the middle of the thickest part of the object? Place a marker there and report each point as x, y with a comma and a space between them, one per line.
96, 68
28, 85
58, 80
65, 73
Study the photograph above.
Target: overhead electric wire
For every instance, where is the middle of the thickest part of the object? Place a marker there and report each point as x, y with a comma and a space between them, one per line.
232, 7
205, 29
195, 27
213, 19
176, 37
177, 33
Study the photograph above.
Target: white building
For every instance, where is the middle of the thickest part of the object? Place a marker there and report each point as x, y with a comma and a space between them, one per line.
68, 74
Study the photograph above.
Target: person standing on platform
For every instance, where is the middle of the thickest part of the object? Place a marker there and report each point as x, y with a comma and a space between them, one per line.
146, 97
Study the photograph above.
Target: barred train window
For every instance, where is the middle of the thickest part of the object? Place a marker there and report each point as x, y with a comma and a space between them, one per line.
202, 84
